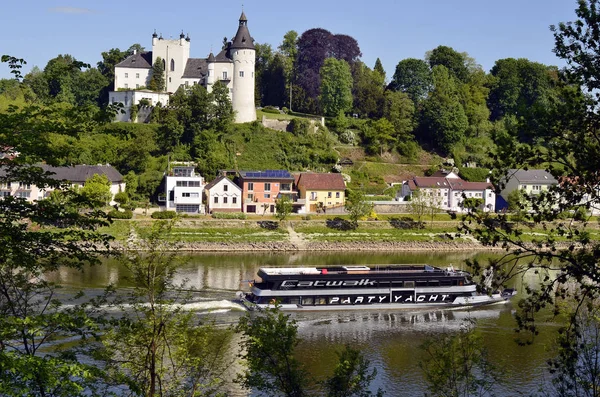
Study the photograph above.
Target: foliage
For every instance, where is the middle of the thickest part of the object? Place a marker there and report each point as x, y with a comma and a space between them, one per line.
157, 79
474, 174
367, 90
413, 77
157, 348
121, 198
97, 190
283, 207
299, 126
116, 214
336, 87
229, 215
419, 203
458, 365
351, 377
164, 215
453, 61
357, 206
270, 338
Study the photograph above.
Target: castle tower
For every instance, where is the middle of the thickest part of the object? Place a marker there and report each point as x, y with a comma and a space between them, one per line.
210, 79
243, 55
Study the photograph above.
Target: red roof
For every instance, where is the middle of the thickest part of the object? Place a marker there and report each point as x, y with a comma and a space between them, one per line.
314, 181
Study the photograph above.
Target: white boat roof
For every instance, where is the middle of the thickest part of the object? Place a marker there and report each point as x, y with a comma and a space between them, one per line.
273, 271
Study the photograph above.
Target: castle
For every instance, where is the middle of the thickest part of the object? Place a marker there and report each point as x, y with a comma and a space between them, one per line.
233, 67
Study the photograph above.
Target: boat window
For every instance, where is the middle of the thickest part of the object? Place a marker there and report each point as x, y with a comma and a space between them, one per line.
307, 301
295, 301
421, 283
433, 283
445, 283
454, 282
409, 284
320, 301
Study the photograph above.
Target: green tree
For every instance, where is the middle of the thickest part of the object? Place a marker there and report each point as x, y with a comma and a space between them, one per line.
378, 135
283, 207
379, 69
454, 61
458, 365
357, 206
419, 203
159, 348
443, 117
336, 87
109, 60
351, 377
400, 111
157, 79
413, 77
270, 339
367, 91
97, 190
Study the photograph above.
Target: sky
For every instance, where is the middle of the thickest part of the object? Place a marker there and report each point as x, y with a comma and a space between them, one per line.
392, 30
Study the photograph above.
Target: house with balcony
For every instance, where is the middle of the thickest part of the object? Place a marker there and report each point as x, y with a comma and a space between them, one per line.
222, 195
260, 189
449, 192
73, 175
183, 189
321, 191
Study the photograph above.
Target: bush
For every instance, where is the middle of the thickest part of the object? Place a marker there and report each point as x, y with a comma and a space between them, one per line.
406, 222
116, 214
347, 137
269, 225
474, 174
306, 217
229, 215
163, 215
341, 224
299, 126
271, 109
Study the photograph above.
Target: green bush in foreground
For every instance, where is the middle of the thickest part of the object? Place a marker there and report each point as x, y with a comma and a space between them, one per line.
116, 214
163, 215
229, 215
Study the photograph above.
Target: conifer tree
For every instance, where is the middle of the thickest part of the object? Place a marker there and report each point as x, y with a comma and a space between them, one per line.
157, 81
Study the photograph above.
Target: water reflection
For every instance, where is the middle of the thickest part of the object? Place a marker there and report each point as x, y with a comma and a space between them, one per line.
389, 339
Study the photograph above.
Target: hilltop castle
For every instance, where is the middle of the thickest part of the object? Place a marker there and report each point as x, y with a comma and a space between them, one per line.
233, 66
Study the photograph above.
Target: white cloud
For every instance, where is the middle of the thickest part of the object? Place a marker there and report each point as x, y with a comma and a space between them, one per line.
71, 10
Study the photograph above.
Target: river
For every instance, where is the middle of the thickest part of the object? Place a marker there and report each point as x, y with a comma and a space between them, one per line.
389, 339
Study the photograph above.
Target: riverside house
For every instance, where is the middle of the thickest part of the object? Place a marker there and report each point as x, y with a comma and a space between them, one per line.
260, 189
183, 189
529, 181
74, 175
321, 191
222, 195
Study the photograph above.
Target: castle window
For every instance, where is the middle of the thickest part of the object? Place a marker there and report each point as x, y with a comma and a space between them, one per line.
126, 75
126, 85
164, 64
172, 65
169, 79
186, 83
241, 73
225, 75
137, 75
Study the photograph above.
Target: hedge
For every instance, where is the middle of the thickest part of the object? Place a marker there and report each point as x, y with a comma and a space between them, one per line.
164, 215
229, 215
116, 214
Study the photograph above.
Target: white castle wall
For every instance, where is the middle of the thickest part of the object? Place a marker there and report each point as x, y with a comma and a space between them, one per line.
243, 85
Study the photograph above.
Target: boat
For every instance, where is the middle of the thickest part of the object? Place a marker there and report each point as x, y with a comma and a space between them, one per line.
363, 287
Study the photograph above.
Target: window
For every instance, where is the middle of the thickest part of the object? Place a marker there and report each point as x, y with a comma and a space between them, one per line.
267, 195
250, 196
4, 194
224, 200
225, 75
137, 86
225, 187
329, 195
267, 187
194, 209
126, 75
187, 83
23, 194
313, 195
490, 195
126, 86
190, 194
137, 75
172, 65
23, 185
4, 185
169, 79
251, 186
182, 171
241, 73
216, 200
234, 200
337, 194
285, 186
251, 208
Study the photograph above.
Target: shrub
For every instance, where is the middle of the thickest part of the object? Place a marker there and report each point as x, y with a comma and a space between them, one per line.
406, 222
299, 126
116, 214
474, 174
271, 109
163, 215
121, 198
229, 215
306, 217
269, 225
341, 224
347, 137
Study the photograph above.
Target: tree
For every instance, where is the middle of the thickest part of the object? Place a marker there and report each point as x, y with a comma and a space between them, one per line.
566, 147
378, 135
336, 87
97, 190
379, 69
283, 207
158, 347
157, 79
400, 111
351, 377
367, 91
419, 203
443, 117
357, 206
270, 339
109, 60
413, 77
454, 61
458, 365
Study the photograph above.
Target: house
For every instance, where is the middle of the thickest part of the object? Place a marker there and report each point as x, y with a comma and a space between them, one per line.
222, 195
183, 189
449, 192
321, 190
260, 189
529, 181
75, 175
233, 66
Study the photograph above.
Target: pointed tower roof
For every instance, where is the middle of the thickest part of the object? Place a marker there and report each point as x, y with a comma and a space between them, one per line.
211, 57
242, 39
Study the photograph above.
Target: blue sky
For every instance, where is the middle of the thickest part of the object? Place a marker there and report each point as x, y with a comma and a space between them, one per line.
38, 30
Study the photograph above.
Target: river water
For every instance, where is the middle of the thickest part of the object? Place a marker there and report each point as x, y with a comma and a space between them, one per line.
389, 339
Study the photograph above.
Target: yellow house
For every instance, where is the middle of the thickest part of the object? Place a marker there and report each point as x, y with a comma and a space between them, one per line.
321, 191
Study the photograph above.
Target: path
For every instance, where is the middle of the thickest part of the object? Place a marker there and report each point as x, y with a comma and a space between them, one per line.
296, 238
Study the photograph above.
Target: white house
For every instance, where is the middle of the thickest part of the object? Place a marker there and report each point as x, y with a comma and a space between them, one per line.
234, 67
447, 192
128, 98
529, 181
183, 189
75, 175
222, 195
